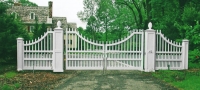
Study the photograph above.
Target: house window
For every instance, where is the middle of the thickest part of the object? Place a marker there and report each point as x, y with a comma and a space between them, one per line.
32, 15
70, 42
32, 28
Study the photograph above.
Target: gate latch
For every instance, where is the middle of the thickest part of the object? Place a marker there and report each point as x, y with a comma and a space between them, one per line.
150, 51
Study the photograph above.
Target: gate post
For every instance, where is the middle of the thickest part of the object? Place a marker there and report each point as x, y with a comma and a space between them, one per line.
185, 44
58, 49
20, 58
150, 50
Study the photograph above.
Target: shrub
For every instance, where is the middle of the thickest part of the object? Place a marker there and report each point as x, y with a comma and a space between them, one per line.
194, 56
10, 74
7, 87
193, 65
11, 29
17, 85
170, 76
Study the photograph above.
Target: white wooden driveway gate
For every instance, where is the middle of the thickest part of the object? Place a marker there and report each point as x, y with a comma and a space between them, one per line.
85, 54
146, 50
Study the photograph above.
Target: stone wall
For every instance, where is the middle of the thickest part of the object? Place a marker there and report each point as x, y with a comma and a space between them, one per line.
23, 12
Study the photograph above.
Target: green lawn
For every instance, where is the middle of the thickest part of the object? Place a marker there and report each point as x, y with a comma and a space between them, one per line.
184, 80
8, 71
190, 83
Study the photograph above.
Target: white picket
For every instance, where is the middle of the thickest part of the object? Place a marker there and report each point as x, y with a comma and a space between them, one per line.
86, 54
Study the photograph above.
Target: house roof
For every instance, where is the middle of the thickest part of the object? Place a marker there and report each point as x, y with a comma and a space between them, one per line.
41, 12
71, 25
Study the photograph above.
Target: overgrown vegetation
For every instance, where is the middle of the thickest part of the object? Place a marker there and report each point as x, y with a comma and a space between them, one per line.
181, 79
194, 56
5, 83
11, 29
111, 20
22, 2
40, 80
39, 29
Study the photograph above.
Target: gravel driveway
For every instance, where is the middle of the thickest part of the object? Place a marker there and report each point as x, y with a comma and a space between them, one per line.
112, 80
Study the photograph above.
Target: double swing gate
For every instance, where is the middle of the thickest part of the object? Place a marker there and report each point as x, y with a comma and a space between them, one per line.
86, 54
146, 50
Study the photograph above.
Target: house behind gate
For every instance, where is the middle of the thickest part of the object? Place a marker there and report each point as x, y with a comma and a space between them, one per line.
28, 14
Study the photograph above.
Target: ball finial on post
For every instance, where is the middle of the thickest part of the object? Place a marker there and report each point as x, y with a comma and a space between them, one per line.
58, 24
150, 25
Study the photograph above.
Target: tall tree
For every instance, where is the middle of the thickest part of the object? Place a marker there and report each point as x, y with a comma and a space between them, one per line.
36, 28
27, 3
137, 9
43, 29
39, 29
106, 17
88, 15
22, 2
11, 29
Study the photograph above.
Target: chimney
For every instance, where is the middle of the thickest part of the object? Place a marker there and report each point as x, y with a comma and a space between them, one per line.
16, 3
50, 9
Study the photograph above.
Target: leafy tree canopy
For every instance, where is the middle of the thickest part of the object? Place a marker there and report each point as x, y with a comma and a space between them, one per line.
11, 29
22, 2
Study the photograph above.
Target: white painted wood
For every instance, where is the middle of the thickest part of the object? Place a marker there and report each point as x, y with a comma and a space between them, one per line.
136, 42
45, 53
39, 39
20, 54
44, 42
173, 55
106, 53
58, 49
142, 51
163, 38
185, 49
38, 53
150, 37
50, 42
41, 43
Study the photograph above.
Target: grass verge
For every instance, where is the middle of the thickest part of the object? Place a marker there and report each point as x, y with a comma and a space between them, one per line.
184, 80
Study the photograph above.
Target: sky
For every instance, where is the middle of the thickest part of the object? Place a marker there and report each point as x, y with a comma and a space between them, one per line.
65, 8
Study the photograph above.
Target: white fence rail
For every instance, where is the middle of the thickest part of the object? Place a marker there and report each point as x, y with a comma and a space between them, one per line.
170, 55
125, 53
38, 54
146, 50
41, 53
83, 53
